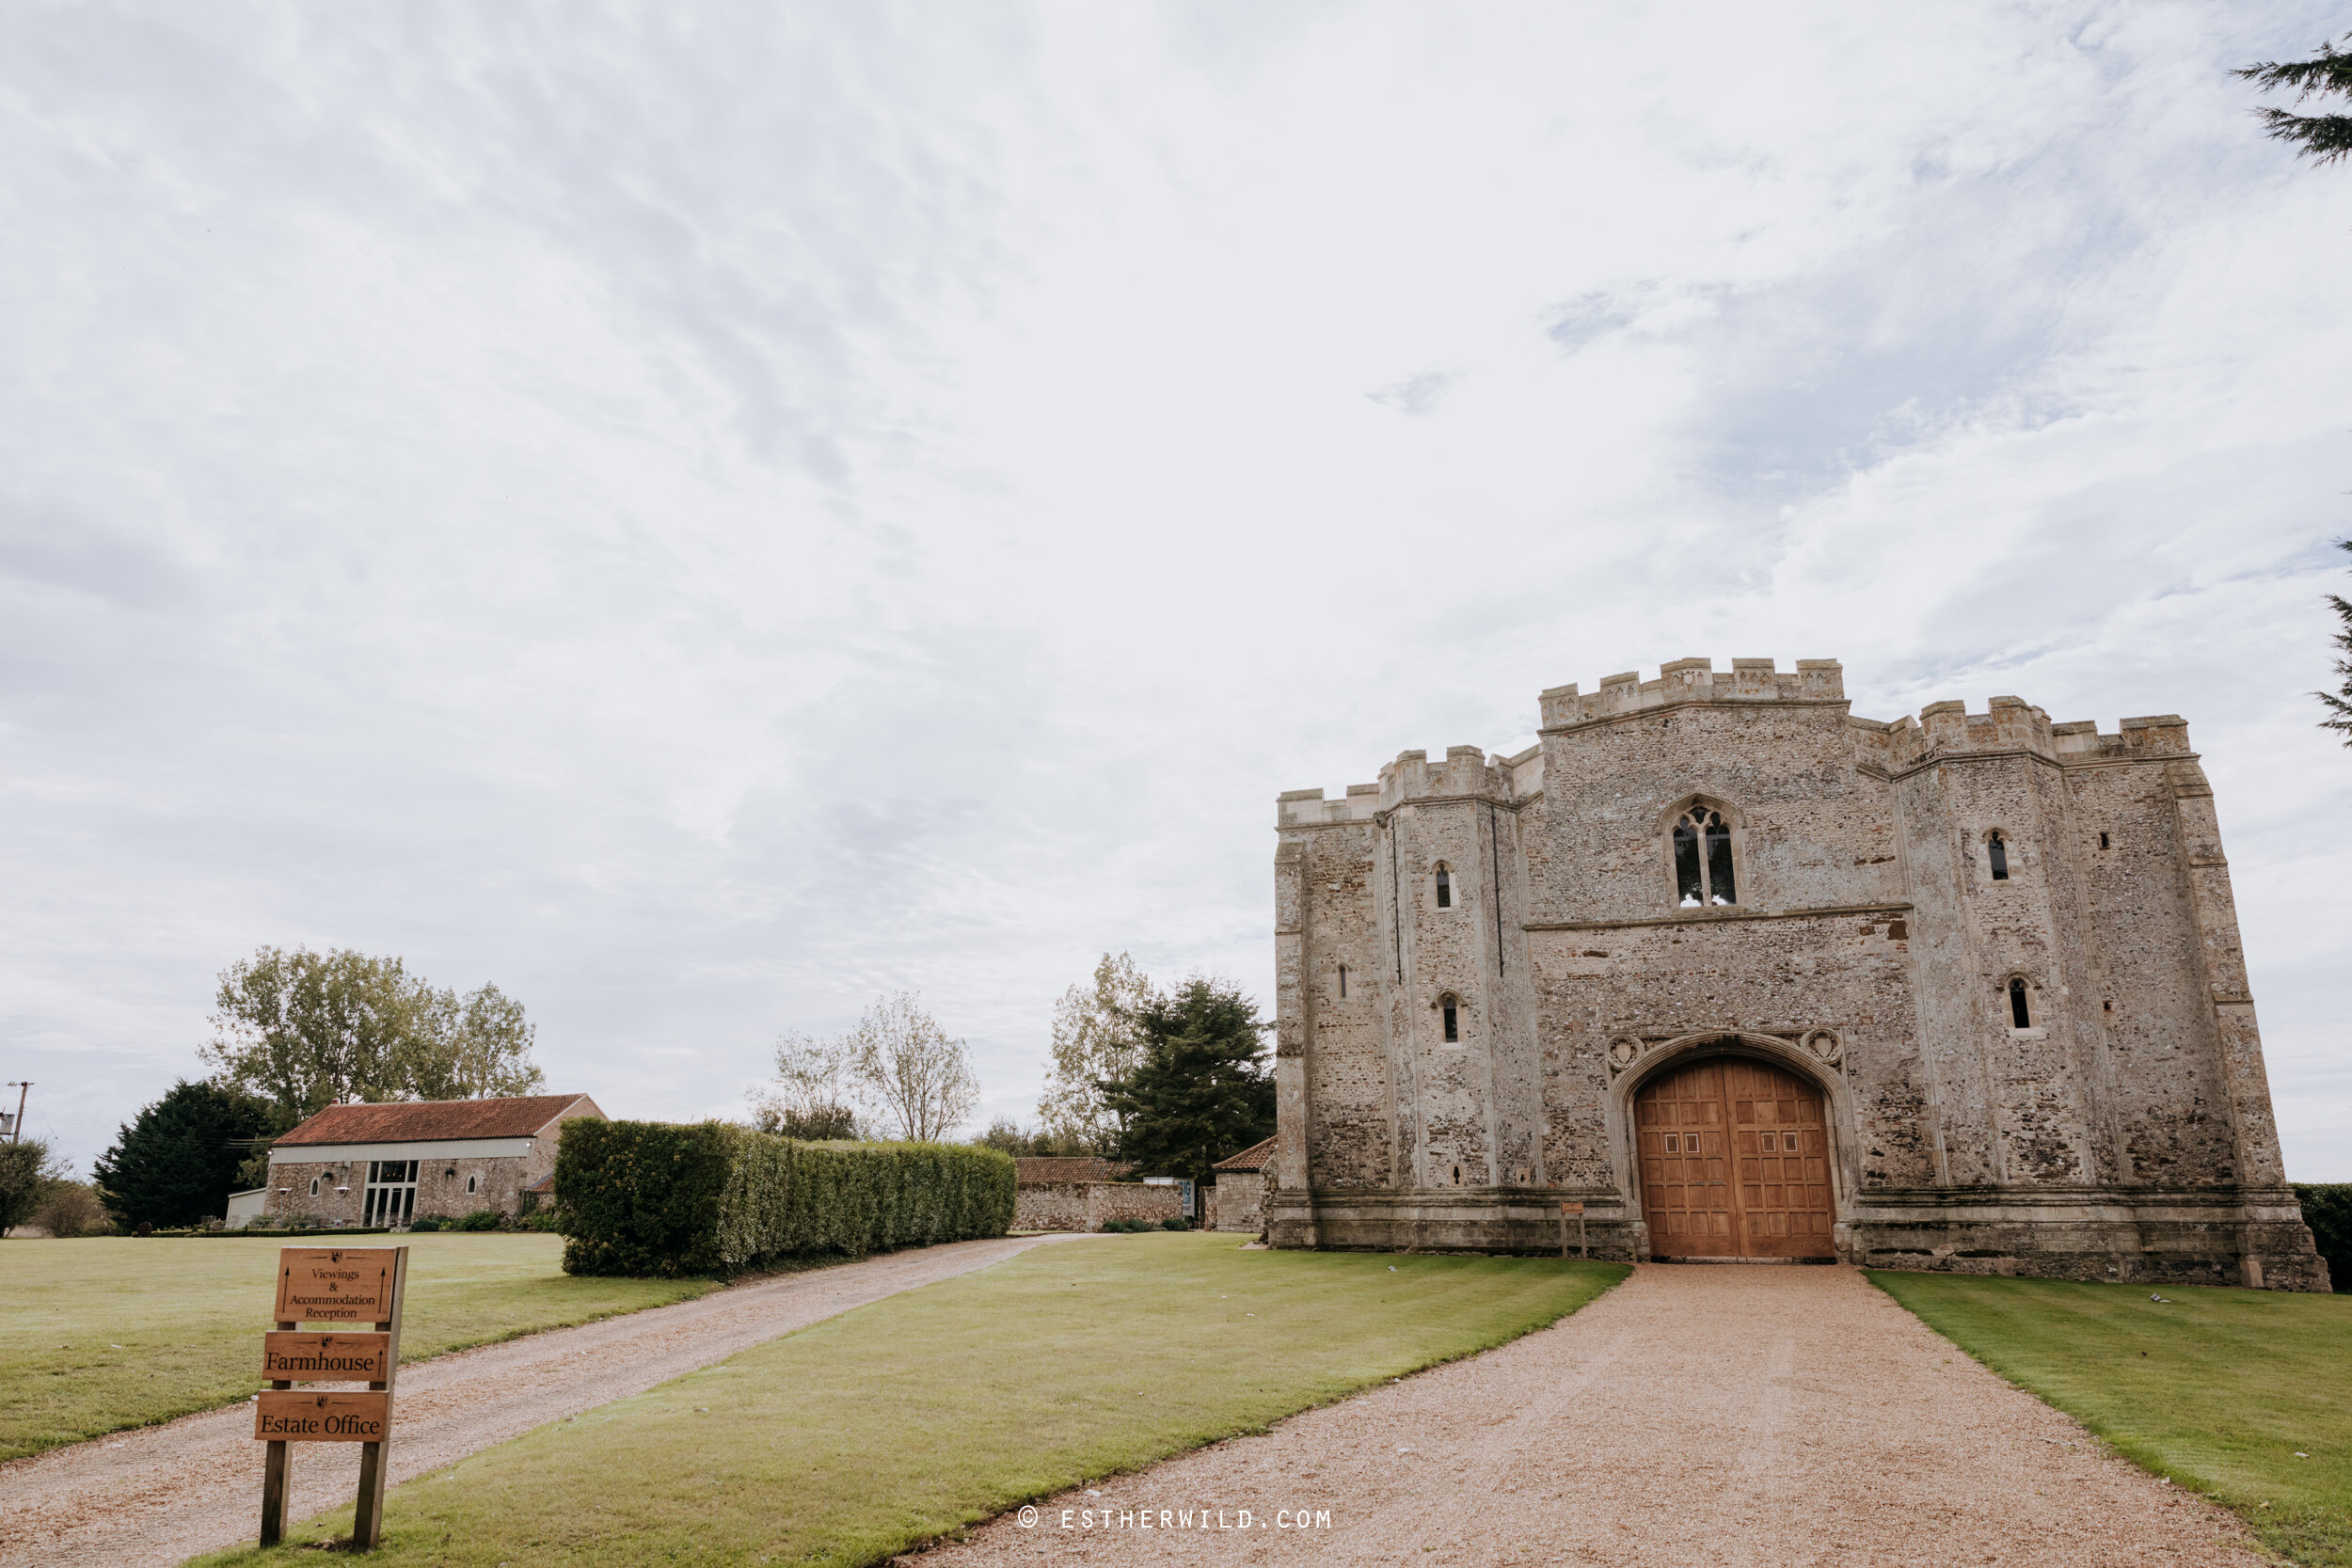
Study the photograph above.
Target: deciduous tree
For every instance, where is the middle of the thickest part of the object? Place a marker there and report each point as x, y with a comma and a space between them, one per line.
306, 1030
473, 1047
897, 1074
812, 1093
1095, 1039
28, 1168
917, 1082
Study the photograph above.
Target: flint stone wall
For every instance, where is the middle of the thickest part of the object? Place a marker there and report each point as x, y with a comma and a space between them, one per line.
1091, 1205
2125, 1134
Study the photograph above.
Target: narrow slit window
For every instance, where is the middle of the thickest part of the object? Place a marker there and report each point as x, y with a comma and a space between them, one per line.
470, 1180
1453, 1020
1445, 888
1998, 853
1343, 982
1702, 862
2102, 841
315, 1186
2020, 1014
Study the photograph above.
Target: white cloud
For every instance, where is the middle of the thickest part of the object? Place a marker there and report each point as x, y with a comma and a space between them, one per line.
701, 516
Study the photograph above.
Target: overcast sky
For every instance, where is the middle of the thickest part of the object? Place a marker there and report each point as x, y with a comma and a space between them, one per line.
700, 513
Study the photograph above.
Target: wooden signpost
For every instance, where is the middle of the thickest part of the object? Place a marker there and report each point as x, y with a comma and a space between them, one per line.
360, 1286
1578, 1210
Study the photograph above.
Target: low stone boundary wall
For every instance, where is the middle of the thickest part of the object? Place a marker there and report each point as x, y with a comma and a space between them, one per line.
1237, 1194
1091, 1204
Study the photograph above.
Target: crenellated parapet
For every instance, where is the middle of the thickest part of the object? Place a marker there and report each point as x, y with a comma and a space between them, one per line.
1306, 808
2011, 725
1464, 770
1694, 680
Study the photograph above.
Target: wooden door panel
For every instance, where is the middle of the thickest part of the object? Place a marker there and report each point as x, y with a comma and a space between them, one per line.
1734, 1162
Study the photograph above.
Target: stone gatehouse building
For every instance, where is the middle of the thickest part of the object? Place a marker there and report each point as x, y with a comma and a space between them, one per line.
1749, 976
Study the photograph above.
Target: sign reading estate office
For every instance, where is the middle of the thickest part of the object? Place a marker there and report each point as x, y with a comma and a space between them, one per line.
296, 1416
334, 1284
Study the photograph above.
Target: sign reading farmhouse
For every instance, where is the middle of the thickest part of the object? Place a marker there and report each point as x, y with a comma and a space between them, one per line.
331, 1285
335, 1285
298, 1416
292, 1357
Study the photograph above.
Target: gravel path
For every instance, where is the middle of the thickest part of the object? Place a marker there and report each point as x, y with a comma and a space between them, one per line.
163, 1494
1694, 1415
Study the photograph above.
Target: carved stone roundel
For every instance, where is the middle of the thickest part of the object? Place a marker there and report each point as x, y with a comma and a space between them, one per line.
1622, 1051
1824, 1044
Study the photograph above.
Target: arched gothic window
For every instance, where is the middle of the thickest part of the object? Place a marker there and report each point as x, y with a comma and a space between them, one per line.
1451, 1012
1445, 888
1997, 852
2020, 1013
1703, 875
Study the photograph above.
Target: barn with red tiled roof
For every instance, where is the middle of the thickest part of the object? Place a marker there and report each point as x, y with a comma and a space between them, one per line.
391, 1164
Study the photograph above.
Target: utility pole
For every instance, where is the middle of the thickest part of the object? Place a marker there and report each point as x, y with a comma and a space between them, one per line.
24, 1089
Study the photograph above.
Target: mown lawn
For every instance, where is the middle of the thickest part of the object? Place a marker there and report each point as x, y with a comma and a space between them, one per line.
2245, 1395
863, 1435
111, 1332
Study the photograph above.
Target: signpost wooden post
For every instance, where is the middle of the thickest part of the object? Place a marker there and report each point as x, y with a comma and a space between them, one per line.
359, 1286
1578, 1210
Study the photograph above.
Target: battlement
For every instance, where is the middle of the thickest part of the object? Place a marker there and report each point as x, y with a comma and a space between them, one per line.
1307, 807
1695, 680
1463, 770
2013, 724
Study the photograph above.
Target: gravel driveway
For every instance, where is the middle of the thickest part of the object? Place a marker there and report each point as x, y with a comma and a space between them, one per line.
163, 1494
1700, 1415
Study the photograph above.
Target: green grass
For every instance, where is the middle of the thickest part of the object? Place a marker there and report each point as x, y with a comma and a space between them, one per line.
2221, 1390
865, 1435
112, 1332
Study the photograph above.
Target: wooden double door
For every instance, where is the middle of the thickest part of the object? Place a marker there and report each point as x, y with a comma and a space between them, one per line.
1735, 1163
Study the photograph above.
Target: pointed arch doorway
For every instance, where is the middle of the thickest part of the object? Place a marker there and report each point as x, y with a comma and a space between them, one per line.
1734, 1158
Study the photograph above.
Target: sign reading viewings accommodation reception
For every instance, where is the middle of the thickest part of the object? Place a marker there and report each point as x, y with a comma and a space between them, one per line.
331, 1285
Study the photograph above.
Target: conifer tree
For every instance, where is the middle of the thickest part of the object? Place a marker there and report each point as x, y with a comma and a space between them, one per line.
2322, 138
2339, 702
1202, 1088
177, 1162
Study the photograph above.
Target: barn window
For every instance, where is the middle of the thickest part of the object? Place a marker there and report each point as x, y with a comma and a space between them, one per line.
1446, 1005
2020, 1015
1703, 870
1997, 852
1445, 888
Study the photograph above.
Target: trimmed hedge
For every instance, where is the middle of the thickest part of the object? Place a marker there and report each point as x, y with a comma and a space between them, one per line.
643, 1197
2327, 1210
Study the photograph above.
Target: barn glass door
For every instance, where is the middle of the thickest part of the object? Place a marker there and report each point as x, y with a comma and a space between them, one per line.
391, 1192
